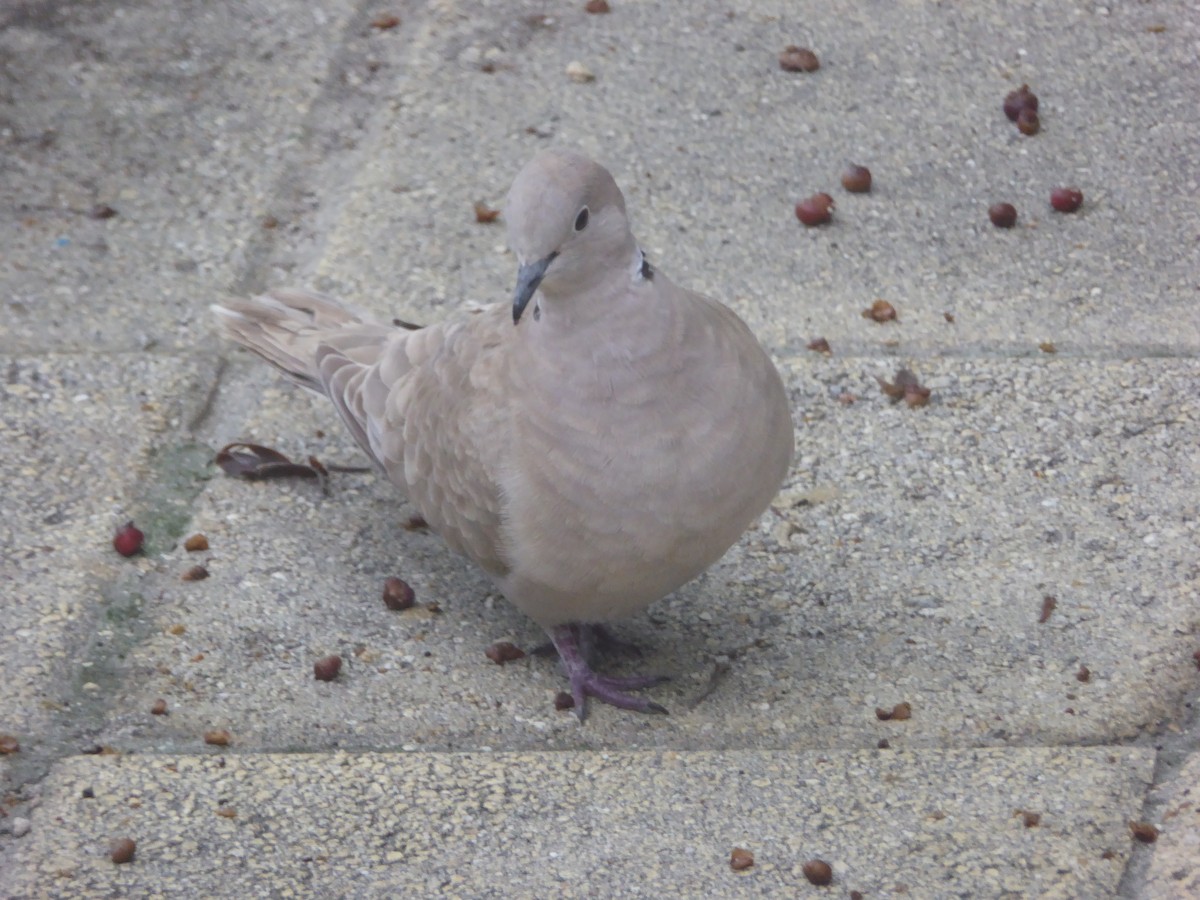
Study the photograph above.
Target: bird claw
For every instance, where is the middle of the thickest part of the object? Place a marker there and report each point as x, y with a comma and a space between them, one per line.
573, 642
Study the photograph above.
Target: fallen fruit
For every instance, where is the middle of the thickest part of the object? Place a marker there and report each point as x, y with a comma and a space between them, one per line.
740, 859
159, 708
218, 737
128, 540
818, 871
1028, 122
196, 543
327, 668
1003, 215
1066, 200
816, 210
1020, 99
563, 700
502, 652
798, 59
857, 179
1144, 832
880, 311
484, 214
122, 850
397, 594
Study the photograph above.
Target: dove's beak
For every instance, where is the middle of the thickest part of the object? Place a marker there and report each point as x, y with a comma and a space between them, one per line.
529, 276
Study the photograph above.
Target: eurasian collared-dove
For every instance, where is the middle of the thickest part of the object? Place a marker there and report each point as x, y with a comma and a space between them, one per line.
592, 447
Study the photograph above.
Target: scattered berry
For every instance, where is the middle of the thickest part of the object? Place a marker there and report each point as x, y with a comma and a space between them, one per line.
218, 737
816, 210
740, 859
502, 652
880, 311
122, 850
798, 59
159, 708
1084, 674
818, 871
128, 540
397, 594
857, 179
1028, 122
820, 345
1144, 832
327, 669
1066, 200
1020, 99
596, 7
197, 543
195, 573
563, 700
1003, 215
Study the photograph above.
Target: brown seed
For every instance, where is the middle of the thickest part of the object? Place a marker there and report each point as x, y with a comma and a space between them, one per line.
880, 311
1021, 98
740, 859
122, 850
1031, 819
397, 594
195, 573
1084, 674
1066, 200
816, 210
949, 317
820, 345
563, 700
884, 744
1108, 854
327, 668
1003, 215
1028, 122
916, 395
798, 59
1048, 604
902, 711
102, 211
385, 21
856, 895
128, 540
9, 744
857, 179
882, 714
270, 222
159, 708
218, 737
502, 652
1144, 832
226, 812
818, 871
196, 543
484, 214
596, 7
1047, 347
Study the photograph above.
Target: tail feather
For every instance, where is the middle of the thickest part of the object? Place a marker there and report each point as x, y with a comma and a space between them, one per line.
285, 327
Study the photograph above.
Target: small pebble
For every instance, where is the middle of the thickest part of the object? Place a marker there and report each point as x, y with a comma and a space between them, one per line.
579, 73
20, 826
502, 652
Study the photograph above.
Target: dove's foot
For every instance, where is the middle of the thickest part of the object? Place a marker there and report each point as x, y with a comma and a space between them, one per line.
573, 643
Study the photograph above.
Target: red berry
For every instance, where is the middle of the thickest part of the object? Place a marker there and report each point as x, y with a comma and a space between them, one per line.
128, 540
327, 669
816, 210
1021, 98
857, 179
1066, 200
1003, 215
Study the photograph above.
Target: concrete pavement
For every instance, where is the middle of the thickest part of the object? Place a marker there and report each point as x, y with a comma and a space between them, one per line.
908, 559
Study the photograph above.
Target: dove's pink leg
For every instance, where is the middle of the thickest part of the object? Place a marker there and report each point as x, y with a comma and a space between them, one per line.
573, 645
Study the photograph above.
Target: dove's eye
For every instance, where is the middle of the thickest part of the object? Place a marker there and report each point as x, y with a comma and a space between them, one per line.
581, 220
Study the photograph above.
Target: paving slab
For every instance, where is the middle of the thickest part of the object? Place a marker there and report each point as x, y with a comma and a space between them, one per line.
713, 144
79, 438
1174, 870
186, 121
613, 824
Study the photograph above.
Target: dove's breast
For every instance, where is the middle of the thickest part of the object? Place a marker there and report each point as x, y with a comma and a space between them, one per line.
642, 464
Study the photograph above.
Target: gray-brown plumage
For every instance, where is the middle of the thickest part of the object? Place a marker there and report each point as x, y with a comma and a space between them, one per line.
592, 447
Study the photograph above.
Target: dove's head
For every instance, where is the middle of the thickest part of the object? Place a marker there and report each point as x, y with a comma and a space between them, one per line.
566, 224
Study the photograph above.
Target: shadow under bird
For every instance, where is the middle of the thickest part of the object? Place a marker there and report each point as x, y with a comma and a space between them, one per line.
591, 447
